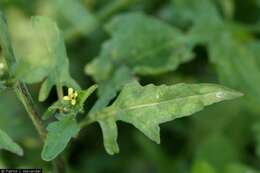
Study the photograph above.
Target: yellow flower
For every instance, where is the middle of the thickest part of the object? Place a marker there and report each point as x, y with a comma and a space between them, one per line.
72, 96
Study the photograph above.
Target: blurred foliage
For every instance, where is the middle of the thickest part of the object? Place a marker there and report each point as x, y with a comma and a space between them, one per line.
216, 41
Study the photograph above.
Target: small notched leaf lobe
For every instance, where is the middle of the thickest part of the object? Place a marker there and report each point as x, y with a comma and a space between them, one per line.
59, 135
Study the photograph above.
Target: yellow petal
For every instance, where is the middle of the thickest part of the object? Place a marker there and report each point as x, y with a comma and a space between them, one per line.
67, 98
73, 102
70, 91
76, 94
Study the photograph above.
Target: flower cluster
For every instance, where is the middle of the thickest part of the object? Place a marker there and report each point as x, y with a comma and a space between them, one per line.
72, 96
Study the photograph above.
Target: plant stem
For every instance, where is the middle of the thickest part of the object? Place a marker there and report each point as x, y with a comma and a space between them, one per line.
25, 97
59, 90
21, 88
87, 121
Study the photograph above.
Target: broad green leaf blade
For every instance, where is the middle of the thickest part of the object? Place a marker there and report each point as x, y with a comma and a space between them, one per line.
59, 135
8, 144
149, 106
44, 46
80, 19
47, 56
144, 44
44, 53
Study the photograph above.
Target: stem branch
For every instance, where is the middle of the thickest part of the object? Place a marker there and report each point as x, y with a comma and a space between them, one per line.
87, 121
22, 90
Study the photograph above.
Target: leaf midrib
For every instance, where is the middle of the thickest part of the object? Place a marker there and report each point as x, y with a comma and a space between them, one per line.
114, 110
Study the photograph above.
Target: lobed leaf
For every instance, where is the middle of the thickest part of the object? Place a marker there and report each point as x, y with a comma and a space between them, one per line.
59, 135
147, 107
44, 44
139, 45
144, 44
7, 143
47, 58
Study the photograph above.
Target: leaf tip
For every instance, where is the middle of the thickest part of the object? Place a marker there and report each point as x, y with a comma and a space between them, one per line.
113, 151
20, 152
229, 94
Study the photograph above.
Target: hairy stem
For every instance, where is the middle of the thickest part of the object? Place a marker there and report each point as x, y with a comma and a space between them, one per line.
25, 97
22, 90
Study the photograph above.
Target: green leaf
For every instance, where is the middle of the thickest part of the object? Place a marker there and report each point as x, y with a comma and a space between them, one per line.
8, 144
47, 58
202, 167
139, 45
76, 15
144, 44
188, 12
59, 135
147, 107
44, 42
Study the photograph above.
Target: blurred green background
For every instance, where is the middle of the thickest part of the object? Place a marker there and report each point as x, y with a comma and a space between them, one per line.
224, 138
